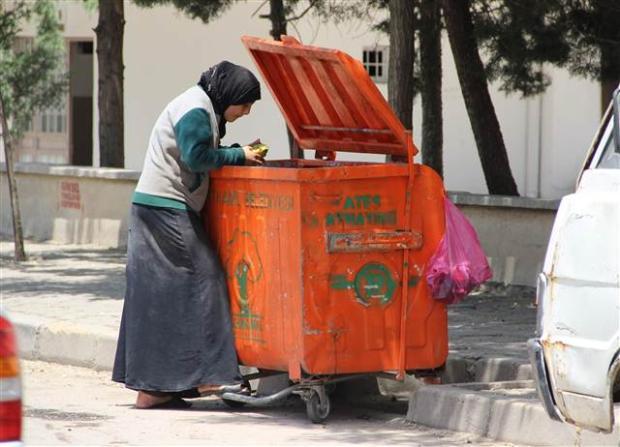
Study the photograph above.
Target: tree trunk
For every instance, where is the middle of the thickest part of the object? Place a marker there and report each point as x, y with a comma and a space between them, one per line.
474, 88
430, 74
402, 56
18, 236
401, 60
110, 60
278, 19
278, 28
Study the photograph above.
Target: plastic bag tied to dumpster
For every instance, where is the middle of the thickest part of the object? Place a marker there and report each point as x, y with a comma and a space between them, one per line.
459, 265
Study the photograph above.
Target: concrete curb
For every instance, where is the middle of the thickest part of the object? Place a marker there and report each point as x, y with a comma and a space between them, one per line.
486, 369
517, 418
464, 370
65, 343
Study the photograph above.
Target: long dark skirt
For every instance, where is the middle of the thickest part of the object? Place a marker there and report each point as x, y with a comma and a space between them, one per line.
175, 331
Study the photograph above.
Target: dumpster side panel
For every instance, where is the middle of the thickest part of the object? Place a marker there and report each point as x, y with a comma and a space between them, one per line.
352, 297
351, 309
255, 225
427, 325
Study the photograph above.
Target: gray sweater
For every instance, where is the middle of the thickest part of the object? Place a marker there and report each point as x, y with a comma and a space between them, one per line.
183, 148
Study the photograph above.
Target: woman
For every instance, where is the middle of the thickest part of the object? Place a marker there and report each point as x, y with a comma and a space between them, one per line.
175, 336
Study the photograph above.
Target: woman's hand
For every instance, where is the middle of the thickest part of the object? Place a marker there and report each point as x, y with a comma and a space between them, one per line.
251, 157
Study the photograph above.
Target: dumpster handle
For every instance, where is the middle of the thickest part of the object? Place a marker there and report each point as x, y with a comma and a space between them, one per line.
411, 151
266, 400
271, 398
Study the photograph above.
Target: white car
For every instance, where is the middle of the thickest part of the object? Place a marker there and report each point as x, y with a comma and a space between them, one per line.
576, 355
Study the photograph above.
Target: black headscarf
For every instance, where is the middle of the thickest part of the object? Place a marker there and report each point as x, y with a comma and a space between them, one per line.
228, 84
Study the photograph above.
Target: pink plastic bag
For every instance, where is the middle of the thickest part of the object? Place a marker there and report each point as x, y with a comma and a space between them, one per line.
459, 264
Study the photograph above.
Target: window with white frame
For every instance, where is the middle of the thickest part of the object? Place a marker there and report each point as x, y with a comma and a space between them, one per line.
54, 119
375, 59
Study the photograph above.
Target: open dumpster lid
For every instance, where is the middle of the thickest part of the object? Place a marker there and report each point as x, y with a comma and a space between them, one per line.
327, 98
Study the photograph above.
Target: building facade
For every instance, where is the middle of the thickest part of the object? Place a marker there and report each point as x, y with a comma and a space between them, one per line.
165, 51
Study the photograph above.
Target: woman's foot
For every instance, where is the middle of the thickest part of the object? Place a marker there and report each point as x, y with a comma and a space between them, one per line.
147, 399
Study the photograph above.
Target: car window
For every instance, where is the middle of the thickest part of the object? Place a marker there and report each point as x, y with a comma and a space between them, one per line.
602, 153
594, 152
610, 158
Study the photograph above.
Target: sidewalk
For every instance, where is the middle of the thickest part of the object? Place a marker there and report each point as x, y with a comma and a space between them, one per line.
66, 302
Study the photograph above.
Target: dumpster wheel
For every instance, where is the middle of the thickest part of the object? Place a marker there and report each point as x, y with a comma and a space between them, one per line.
318, 405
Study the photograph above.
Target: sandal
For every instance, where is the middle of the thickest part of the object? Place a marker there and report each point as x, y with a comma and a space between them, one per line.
191, 393
175, 403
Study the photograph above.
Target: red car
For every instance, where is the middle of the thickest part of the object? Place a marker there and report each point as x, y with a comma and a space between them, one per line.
10, 386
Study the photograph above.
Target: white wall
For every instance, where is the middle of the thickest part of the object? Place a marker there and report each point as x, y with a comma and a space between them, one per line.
165, 52
558, 124
571, 114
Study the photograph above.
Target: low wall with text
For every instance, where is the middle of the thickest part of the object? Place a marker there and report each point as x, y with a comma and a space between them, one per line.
83, 205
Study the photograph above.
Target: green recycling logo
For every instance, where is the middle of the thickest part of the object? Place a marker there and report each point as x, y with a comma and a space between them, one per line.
374, 282
245, 267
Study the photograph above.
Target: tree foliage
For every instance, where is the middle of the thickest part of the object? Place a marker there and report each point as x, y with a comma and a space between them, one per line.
205, 10
519, 36
592, 30
30, 79
34, 77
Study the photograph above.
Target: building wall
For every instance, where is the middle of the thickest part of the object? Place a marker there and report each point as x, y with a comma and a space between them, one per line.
70, 205
165, 52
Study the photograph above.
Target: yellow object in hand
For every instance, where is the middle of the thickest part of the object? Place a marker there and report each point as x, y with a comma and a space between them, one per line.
260, 148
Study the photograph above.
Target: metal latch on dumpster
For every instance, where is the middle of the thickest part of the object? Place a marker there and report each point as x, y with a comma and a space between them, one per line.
362, 241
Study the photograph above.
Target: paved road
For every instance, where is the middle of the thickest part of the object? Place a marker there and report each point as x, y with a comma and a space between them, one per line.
66, 405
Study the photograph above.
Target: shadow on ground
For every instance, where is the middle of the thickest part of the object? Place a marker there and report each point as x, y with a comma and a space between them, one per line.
100, 274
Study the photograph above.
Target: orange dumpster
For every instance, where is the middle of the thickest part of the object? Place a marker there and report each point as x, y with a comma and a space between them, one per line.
325, 259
